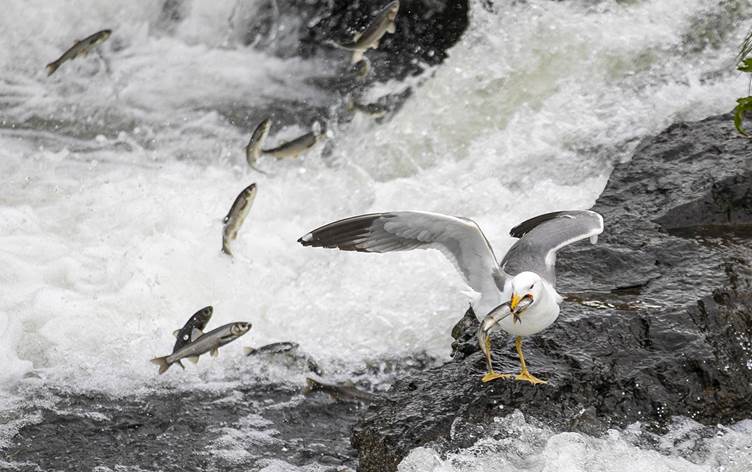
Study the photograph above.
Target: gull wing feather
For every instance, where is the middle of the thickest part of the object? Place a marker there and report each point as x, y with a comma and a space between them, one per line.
541, 237
459, 239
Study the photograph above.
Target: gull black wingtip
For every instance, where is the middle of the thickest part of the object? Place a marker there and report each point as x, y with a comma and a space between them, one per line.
306, 240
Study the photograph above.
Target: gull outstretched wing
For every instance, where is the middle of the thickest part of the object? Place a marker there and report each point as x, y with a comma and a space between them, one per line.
541, 237
460, 239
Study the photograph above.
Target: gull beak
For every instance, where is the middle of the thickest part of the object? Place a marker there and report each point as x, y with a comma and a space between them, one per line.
515, 301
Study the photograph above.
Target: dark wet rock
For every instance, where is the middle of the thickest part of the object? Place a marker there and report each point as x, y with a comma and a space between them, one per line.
237, 429
725, 207
425, 30
465, 340
657, 321
260, 418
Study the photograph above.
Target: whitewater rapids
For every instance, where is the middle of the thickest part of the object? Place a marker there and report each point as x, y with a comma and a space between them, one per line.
116, 174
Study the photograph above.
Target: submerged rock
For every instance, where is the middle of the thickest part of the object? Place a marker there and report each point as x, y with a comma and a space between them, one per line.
660, 325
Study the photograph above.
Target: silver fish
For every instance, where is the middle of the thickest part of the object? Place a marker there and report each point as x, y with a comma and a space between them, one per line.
81, 47
295, 147
491, 320
484, 330
371, 109
273, 348
236, 216
369, 38
344, 393
253, 149
286, 352
192, 328
209, 342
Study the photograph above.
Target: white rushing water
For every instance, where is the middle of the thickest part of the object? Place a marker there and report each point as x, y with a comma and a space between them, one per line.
115, 177
514, 444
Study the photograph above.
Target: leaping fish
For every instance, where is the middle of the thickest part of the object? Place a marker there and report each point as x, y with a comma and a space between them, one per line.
369, 38
80, 48
193, 328
287, 352
253, 149
491, 321
209, 342
294, 148
346, 392
374, 110
234, 219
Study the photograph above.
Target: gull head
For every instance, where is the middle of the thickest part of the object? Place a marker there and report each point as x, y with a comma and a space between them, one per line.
527, 289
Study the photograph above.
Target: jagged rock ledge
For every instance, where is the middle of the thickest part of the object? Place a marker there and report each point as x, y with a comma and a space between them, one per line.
661, 324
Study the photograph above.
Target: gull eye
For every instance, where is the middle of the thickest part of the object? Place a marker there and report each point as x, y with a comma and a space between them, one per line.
531, 287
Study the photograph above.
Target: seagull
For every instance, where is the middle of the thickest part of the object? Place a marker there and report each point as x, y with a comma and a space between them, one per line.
524, 282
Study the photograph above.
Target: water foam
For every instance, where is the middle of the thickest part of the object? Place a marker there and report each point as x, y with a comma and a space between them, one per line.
116, 183
512, 443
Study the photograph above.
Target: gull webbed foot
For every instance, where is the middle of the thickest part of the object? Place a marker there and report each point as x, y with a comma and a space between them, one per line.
527, 376
495, 375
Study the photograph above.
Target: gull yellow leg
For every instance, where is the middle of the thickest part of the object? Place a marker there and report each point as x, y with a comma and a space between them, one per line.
525, 374
491, 375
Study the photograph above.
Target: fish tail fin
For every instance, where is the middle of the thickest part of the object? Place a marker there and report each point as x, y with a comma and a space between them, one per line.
52, 67
253, 152
251, 155
162, 363
226, 248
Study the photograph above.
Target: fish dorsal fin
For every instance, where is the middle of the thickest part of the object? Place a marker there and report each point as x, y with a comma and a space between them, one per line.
176, 332
196, 333
391, 28
193, 359
214, 352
